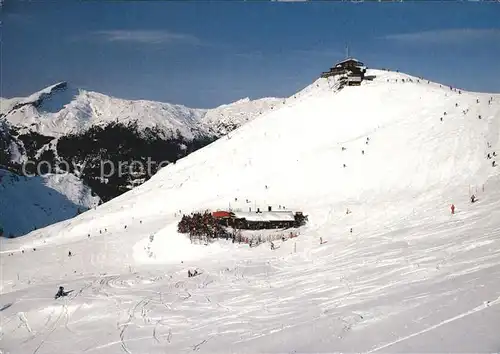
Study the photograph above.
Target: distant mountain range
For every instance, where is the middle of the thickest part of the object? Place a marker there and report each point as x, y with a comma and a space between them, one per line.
64, 129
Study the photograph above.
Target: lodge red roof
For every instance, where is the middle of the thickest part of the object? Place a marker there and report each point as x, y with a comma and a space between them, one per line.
221, 214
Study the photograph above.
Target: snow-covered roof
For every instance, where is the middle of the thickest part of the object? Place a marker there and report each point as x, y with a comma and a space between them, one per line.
266, 216
348, 59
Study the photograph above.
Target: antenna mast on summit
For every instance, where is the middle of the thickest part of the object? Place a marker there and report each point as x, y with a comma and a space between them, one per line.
347, 51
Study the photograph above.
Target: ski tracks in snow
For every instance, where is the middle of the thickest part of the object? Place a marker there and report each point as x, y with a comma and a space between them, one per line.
482, 307
131, 315
64, 310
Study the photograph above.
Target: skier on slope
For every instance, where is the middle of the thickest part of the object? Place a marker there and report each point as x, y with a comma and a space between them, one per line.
473, 198
453, 208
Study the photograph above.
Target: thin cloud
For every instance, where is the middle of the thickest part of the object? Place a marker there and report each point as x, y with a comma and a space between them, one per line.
146, 36
458, 35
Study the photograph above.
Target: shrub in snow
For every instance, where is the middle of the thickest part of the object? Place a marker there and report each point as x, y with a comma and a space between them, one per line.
201, 227
300, 219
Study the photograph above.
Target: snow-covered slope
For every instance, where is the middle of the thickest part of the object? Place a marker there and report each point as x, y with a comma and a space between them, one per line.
62, 109
28, 203
398, 274
223, 119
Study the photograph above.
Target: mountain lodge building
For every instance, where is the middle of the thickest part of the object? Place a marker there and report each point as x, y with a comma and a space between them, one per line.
257, 220
351, 69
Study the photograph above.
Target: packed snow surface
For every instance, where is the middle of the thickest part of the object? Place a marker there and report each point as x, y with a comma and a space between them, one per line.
399, 273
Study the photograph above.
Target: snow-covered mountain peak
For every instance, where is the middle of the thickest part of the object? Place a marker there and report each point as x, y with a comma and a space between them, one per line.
37, 99
40, 96
240, 101
62, 109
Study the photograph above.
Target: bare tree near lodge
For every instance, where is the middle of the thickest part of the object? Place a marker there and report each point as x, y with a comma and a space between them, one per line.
208, 226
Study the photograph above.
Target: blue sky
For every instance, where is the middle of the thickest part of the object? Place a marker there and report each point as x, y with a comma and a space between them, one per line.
203, 54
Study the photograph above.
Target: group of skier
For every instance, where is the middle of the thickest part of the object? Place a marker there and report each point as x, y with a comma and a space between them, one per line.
362, 151
473, 199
